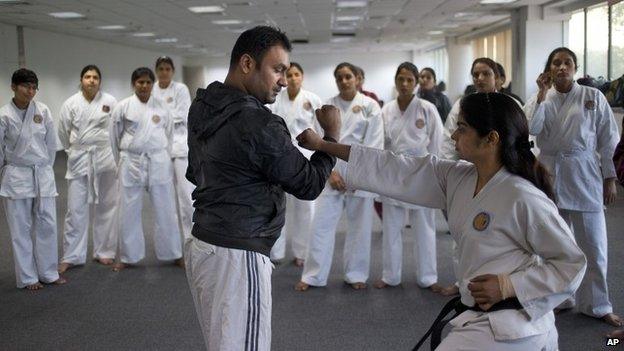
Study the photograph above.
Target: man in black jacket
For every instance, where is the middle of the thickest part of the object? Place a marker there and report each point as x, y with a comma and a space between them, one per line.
241, 160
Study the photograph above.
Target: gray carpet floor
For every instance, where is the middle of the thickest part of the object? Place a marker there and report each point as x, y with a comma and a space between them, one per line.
149, 307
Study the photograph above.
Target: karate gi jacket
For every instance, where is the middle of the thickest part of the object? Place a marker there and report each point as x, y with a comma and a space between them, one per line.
178, 100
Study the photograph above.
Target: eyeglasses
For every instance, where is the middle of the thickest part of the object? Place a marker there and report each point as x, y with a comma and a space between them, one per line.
29, 86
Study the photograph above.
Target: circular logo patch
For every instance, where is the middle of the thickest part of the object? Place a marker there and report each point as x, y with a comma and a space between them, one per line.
105, 108
37, 119
420, 123
590, 104
481, 221
155, 119
307, 105
170, 99
356, 109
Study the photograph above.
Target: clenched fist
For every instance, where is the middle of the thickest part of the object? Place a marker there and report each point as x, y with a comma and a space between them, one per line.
308, 139
329, 119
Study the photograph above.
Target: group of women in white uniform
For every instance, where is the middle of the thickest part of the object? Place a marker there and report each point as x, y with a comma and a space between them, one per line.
115, 151
525, 231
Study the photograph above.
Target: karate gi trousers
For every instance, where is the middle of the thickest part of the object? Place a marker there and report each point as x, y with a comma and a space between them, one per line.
183, 189
356, 254
231, 291
76, 231
167, 240
590, 232
422, 222
35, 260
299, 214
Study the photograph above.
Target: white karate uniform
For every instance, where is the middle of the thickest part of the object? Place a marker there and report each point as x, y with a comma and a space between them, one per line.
28, 145
299, 116
91, 176
178, 100
417, 131
222, 316
509, 227
577, 135
361, 124
141, 135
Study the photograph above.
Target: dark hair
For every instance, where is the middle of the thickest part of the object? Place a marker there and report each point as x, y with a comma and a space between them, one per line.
486, 61
498, 112
430, 70
297, 66
409, 67
24, 75
353, 68
164, 59
256, 41
88, 68
360, 72
501, 70
558, 50
142, 71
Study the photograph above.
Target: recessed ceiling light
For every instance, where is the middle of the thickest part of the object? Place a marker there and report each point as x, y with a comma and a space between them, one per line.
340, 40
143, 35
227, 22
206, 9
66, 15
435, 32
348, 18
351, 3
490, 2
166, 40
112, 27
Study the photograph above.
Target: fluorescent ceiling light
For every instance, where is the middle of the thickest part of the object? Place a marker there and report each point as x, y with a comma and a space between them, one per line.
490, 2
166, 40
448, 25
66, 15
351, 3
341, 40
184, 46
206, 9
227, 22
348, 18
112, 27
435, 32
143, 35
465, 15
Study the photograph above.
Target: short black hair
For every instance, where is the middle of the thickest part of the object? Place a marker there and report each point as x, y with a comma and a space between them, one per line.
24, 75
297, 66
409, 67
551, 57
256, 41
430, 70
164, 59
353, 68
488, 62
88, 68
142, 71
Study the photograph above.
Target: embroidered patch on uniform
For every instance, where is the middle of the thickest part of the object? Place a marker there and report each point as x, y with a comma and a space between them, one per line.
155, 119
38, 119
307, 105
357, 109
420, 123
170, 99
590, 104
481, 221
105, 108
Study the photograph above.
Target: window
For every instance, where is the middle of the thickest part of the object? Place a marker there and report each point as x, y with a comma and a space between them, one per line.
497, 47
617, 41
598, 41
577, 40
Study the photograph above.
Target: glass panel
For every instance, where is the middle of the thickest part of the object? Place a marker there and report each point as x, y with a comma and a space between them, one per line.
597, 41
577, 39
617, 40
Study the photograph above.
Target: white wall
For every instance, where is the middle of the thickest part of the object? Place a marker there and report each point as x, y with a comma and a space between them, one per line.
8, 60
57, 59
380, 68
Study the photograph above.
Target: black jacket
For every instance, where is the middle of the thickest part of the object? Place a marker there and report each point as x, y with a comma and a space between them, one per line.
241, 159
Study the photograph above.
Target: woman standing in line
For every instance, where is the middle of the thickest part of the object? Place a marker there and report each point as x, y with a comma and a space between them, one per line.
428, 90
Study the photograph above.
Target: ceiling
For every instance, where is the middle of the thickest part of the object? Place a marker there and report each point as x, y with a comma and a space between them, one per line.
379, 25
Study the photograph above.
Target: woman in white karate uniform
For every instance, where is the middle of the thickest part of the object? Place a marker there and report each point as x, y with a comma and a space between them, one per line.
28, 145
296, 106
141, 137
361, 124
577, 135
518, 258
412, 126
178, 99
91, 172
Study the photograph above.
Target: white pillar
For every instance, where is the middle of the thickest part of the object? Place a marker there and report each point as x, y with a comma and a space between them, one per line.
460, 57
534, 37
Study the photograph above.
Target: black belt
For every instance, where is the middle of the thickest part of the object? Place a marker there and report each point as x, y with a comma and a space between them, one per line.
435, 331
